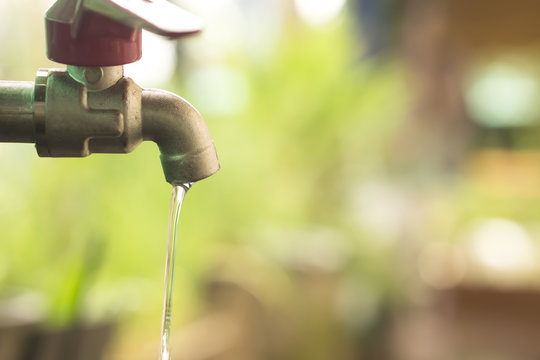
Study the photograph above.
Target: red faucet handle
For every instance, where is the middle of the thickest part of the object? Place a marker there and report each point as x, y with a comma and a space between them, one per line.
108, 32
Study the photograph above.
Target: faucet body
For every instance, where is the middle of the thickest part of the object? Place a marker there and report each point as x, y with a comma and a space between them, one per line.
85, 110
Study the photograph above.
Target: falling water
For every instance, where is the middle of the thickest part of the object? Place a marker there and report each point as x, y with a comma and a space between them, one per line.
179, 192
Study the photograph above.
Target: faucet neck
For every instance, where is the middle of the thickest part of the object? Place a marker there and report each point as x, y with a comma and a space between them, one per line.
96, 78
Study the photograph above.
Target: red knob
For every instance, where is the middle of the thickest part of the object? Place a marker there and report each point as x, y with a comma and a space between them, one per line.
100, 41
108, 32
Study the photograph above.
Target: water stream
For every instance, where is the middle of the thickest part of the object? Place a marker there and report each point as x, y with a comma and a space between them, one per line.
178, 194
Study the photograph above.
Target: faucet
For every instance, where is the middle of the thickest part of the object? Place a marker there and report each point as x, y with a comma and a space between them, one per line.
91, 107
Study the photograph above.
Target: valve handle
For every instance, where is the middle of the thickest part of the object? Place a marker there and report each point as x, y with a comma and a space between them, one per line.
158, 16
108, 32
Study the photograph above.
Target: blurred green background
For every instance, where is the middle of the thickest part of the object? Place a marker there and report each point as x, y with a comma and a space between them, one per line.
378, 197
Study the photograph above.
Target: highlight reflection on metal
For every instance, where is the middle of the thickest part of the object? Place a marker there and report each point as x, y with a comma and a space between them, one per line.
40, 91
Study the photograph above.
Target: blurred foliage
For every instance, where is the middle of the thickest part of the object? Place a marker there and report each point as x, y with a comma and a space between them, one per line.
307, 165
89, 234
329, 189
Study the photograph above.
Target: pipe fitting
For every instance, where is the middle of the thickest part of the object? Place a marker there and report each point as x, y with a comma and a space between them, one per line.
76, 122
96, 78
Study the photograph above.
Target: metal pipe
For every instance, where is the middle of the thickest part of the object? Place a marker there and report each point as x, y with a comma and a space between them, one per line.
16, 112
187, 150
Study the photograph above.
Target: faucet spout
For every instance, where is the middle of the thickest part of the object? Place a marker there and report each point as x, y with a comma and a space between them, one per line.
187, 150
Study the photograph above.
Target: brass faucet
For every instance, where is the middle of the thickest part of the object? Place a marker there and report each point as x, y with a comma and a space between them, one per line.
90, 107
